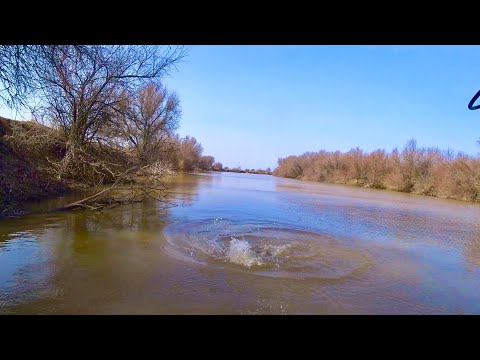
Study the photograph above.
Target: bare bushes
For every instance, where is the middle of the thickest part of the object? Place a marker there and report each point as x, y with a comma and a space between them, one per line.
206, 162
463, 179
189, 153
426, 171
377, 168
38, 139
291, 167
217, 166
186, 154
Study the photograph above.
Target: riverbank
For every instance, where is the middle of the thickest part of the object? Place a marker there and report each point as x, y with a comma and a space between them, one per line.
29, 157
356, 184
24, 175
246, 171
415, 170
29, 153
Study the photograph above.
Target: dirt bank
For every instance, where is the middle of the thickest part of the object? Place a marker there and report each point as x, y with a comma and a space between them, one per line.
23, 174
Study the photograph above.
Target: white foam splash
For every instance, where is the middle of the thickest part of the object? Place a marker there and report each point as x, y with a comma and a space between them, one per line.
240, 252
277, 250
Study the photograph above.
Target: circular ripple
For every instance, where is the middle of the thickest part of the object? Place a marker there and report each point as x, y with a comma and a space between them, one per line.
264, 249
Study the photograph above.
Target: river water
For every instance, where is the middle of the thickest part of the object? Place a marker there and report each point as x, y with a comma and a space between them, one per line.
246, 244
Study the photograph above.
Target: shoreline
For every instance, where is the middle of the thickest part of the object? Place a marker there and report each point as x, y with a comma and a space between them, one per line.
248, 172
351, 185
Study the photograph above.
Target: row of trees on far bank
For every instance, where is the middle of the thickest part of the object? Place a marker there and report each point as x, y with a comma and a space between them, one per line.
427, 171
238, 169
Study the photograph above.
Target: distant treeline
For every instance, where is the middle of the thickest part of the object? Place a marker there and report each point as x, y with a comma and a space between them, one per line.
426, 171
248, 171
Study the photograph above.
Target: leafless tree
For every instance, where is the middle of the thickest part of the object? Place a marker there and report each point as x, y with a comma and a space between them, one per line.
217, 166
81, 90
80, 87
206, 162
148, 121
190, 152
15, 74
93, 96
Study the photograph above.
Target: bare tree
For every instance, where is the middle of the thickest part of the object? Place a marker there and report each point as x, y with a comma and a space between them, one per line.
206, 162
81, 90
190, 152
217, 166
15, 74
80, 87
106, 103
149, 121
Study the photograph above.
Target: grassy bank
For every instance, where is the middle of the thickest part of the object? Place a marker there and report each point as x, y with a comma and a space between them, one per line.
24, 175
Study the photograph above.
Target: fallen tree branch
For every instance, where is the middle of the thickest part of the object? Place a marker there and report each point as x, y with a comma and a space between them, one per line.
81, 203
148, 186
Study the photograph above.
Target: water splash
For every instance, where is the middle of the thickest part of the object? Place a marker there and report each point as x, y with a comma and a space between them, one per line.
265, 249
240, 252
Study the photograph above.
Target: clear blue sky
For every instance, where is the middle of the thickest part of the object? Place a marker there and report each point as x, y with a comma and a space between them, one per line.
250, 105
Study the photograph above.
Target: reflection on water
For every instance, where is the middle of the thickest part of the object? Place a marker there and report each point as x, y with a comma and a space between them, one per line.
246, 244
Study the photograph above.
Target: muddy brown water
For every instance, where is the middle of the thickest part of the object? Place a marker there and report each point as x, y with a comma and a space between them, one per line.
246, 244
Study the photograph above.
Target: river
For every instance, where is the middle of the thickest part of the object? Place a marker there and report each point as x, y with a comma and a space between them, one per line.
246, 244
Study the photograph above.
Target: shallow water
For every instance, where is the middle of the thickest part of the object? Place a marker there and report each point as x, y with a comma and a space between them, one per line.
246, 244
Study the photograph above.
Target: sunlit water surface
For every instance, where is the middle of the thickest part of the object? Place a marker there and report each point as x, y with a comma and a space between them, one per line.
246, 244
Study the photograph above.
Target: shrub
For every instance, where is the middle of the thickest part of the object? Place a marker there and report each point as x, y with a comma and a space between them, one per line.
426, 171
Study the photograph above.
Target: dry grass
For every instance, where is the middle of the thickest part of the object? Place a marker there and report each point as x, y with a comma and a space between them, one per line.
35, 164
23, 170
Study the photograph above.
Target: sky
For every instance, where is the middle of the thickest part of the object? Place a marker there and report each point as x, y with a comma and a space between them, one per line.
250, 105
